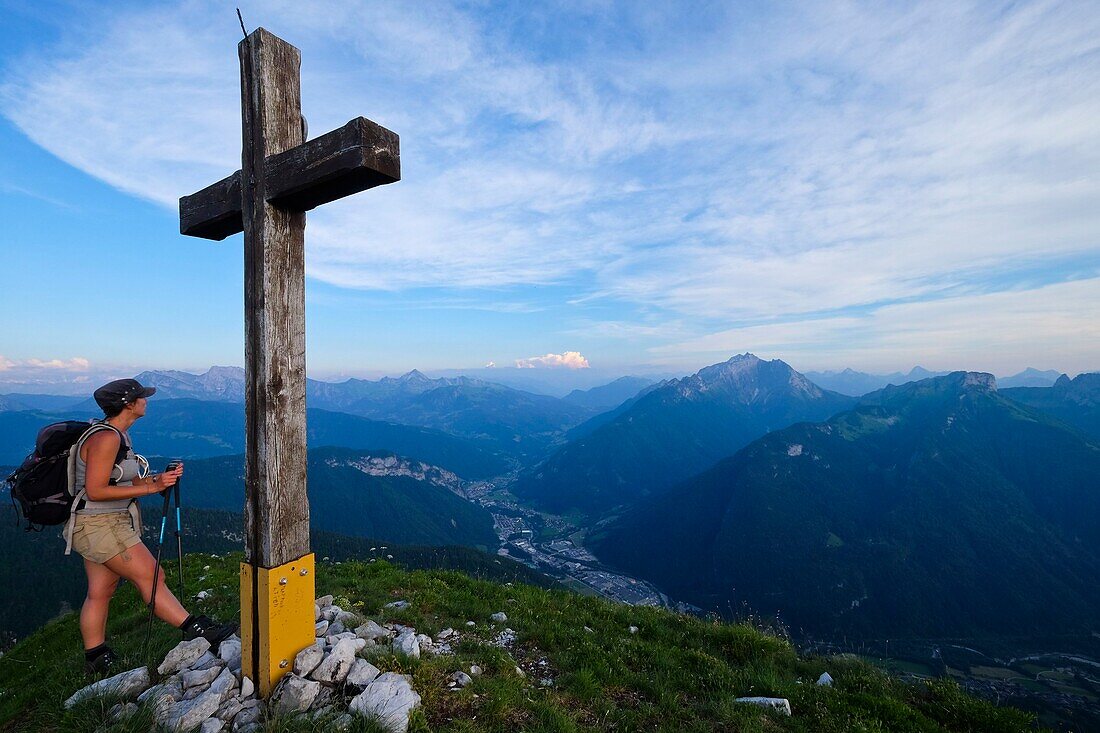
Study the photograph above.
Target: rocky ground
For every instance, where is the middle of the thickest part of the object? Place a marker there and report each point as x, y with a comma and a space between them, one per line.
440, 651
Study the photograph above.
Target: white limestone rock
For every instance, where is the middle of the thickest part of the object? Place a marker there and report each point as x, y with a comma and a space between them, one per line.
250, 712
189, 714
633, 629
308, 659
407, 644
499, 617
362, 673
460, 679
333, 639
230, 651
397, 605
348, 619
248, 688
371, 631
425, 642
206, 661
184, 655
224, 686
294, 695
320, 628
825, 680
781, 704
389, 699
163, 696
335, 667
126, 685
229, 709
324, 601
198, 677
475, 671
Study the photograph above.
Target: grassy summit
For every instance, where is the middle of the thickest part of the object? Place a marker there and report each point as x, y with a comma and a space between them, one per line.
676, 673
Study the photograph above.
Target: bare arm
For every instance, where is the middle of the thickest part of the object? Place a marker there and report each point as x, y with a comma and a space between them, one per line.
99, 453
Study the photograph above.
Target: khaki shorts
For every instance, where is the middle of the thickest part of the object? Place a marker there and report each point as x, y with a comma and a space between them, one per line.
99, 537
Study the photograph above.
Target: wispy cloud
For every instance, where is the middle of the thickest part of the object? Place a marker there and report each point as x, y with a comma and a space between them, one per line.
1056, 326
733, 166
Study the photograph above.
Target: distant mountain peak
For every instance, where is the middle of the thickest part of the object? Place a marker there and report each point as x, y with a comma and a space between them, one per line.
750, 379
414, 375
225, 371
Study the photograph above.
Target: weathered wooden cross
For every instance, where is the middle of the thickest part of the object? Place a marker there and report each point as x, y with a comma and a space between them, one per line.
281, 177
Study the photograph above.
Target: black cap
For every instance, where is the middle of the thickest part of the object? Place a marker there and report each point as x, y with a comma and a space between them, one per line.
120, 393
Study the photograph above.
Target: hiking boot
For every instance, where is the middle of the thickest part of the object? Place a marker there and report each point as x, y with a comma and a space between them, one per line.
100, 665
213, 632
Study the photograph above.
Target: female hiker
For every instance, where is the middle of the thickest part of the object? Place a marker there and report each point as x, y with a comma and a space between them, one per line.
105, 528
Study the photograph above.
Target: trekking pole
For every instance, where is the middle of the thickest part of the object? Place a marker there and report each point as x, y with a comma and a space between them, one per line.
179, 539
156, 572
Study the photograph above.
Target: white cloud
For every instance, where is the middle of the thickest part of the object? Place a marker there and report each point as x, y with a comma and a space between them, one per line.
54, 376
567, 360
75, 364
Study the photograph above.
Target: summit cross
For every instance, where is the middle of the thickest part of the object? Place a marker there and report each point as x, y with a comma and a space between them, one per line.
282, 176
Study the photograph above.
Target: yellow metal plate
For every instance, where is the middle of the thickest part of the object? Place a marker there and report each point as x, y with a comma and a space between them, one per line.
283, 598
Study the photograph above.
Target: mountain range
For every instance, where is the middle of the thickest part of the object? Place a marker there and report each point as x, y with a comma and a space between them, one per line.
855, 383
1075, 401
677, 429
610, 395
935, 508
190, 428
505, 419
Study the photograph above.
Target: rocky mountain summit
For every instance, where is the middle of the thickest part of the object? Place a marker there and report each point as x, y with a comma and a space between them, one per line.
445, 652
675, 430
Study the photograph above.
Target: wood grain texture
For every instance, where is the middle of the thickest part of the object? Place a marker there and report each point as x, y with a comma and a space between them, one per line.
214, 212
276, 501
350, 159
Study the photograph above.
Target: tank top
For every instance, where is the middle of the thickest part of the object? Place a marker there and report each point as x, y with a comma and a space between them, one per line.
123, 474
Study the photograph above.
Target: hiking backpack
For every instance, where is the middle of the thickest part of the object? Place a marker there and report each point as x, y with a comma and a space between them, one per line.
43, 485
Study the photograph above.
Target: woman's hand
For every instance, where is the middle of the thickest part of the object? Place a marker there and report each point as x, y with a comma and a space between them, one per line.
167, 479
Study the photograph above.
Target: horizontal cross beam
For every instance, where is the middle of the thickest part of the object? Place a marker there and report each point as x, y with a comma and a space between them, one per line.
353, 158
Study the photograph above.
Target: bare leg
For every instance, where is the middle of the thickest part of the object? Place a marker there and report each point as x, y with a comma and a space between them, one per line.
137, 564
102, 582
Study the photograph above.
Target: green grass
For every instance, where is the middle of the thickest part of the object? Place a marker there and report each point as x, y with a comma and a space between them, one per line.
678, 673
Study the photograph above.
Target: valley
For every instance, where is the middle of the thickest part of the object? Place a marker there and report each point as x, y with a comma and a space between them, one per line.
898, 526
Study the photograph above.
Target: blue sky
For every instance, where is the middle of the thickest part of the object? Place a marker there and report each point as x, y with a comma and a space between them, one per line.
653, 186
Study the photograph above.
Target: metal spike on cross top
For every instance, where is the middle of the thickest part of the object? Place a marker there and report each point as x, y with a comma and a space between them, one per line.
282, 176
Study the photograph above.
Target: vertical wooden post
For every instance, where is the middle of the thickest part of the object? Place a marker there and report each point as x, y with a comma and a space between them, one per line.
277, 584
276, 504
